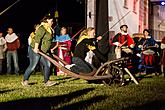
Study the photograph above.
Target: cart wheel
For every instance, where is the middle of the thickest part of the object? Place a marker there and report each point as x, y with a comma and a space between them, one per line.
117, 76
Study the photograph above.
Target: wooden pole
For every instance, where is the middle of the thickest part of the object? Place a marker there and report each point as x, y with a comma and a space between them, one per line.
9, 7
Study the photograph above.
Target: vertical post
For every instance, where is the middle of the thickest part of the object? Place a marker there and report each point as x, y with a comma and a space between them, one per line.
85, 13
91, 13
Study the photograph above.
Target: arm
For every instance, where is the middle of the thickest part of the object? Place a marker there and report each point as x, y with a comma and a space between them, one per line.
5, 47
18, 43
115, 40
130, 41
39, 35
57, 44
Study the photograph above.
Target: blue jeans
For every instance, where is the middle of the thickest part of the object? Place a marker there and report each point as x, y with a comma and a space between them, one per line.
34, 59
12, 54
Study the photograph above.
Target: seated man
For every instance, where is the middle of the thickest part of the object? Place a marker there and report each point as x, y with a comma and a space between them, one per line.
123, 42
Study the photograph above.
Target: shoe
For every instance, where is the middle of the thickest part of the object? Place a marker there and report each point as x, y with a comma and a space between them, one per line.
50, 83
69, 66
25, 83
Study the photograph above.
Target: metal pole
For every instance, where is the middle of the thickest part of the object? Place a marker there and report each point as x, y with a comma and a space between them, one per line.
9, 7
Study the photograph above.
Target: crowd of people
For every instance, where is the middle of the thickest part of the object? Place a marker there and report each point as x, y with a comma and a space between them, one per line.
86, 55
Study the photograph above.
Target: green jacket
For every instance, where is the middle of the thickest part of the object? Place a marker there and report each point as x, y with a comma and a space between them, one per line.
43, 38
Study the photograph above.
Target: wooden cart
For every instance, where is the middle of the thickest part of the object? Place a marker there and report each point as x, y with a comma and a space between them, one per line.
109, 73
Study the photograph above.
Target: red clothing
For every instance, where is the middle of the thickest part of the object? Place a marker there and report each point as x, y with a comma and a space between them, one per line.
13, 45
126, 40
65, 49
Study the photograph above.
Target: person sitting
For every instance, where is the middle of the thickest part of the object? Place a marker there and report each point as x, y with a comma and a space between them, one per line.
84, 51
148, 47
123, 42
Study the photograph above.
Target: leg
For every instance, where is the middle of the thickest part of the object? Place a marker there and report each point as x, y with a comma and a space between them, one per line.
8, 61
46, 67
15, 59
34, 58
1, 65
82, 66
162, 70
60, 54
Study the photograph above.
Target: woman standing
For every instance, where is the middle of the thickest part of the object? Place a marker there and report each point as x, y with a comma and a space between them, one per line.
63, 43
42, 42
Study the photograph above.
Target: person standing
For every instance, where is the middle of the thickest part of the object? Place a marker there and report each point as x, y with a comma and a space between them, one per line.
13, 45
3, 48
123, 42
163, 56
41, 42
63, 43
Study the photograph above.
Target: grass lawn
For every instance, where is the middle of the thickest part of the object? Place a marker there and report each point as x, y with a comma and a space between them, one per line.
74, 94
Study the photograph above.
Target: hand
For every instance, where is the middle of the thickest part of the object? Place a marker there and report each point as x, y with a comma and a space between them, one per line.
52, 50
99, 38
119, 45
156, 45
132, 45
140, 46
36, 50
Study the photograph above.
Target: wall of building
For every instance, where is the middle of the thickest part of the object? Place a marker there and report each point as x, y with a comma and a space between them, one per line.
91, 13
122, 12
158, 22
118, 9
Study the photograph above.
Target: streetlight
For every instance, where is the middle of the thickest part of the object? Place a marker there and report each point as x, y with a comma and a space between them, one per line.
162, 3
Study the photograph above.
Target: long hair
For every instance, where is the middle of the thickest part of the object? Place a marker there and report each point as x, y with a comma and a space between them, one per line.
45, 18
85, 32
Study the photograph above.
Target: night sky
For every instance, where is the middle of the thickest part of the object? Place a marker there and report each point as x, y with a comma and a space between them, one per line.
26, 13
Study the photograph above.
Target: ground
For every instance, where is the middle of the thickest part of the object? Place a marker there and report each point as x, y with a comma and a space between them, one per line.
72, 94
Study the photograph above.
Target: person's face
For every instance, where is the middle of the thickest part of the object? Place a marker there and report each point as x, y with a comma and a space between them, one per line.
50, 22
124, 29
91, 33
63, 31
1, 34
10, 31
146, 33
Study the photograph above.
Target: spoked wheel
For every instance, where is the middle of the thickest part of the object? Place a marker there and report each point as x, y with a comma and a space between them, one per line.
117, 76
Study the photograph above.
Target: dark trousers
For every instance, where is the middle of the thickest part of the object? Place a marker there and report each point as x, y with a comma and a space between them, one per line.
81, 66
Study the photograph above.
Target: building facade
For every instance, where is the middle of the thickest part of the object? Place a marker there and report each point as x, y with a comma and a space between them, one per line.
157, 19
134, 13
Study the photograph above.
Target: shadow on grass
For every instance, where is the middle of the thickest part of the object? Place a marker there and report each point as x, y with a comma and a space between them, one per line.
69, 80
82, 104
47, 103
154, 105
33, 83
4, 91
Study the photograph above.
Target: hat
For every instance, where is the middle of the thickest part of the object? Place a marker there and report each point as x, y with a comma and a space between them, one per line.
123, 26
